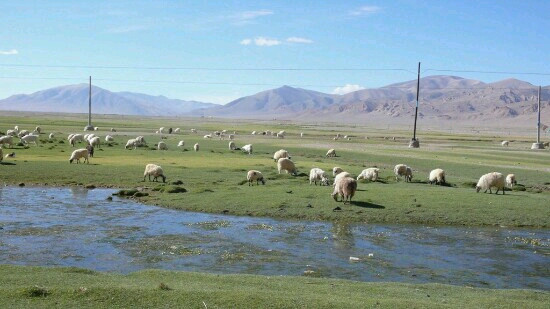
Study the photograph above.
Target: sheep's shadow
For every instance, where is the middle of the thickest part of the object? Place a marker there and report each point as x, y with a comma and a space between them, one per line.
7, 163
367, 205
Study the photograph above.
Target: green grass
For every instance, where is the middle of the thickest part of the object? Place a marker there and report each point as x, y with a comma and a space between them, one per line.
42, 287
214, 179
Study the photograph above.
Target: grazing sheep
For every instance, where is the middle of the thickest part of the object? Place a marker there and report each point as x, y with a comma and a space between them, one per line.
23, 133
38, 129
141, 141
11, 133
253, 132
76, 138
155, 171
90, 149
370, 174
490, 180
51, 136
109, 138
193, 130
196, 147
113, 130
247, 148
340, 176
181, 143
94, 141
255, 175
505, 143
162, 146
345, 187
16, 128
70, 136
281, 133
176, 130
6, 140
96, 128
9, 155
511, 180
29, 139
161, 130
401, 170
232, 145
207, 136
331, 153
285, 164
336, 170
79, 154
281, 154
317, 174
437, 176
131, 143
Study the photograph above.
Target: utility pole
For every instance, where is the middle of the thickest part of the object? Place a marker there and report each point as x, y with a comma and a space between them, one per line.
538, 144
89, 127
414, 142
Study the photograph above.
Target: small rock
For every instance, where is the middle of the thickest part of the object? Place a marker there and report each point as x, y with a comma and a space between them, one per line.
109, 198
91, 187
21, 184
337, 208
309, 205
289, 192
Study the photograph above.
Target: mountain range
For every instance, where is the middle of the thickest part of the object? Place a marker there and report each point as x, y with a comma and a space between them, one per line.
442, 98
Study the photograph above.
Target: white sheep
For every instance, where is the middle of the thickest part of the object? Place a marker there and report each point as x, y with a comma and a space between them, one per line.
96, 128
253, 132
181, 144
247, 148
6, 140
281, 154
196, 147
317, 174
131, 143
51, 136
511, 180
70, 136
437, 176
370, 174
207, 136
79, 154
331, 153
94, 141
336, 170
504, 143
23, 133
16, 128
76, 138
232, 145
193, 130
401, 170
29, 139
254, 175
285, 164
109, 138
281, 133
9, 155
11, 133
155, 171
38, 129
340, 176
344, 187
489, 180
141, 141
302, 134
177, 130
162, 146
161, 130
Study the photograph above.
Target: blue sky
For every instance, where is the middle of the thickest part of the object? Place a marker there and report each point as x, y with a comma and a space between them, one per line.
507, 36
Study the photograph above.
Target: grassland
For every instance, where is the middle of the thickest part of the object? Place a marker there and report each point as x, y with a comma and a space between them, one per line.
41, 287
215, 177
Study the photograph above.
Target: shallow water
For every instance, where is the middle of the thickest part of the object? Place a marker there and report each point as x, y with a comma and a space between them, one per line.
79, 227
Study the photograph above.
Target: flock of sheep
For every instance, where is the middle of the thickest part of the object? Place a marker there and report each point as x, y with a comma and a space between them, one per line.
344, 184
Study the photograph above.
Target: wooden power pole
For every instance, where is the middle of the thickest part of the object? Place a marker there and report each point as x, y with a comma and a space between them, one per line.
89, 127
538, 144
415, 143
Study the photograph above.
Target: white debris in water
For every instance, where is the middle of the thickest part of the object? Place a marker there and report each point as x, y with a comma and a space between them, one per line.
308, 272
371, 254
173, 247
354, 259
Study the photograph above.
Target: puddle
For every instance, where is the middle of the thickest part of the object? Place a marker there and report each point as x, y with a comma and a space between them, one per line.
79, 227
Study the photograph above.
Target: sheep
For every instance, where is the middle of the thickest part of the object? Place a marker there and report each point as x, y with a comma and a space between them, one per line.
29, 139
338, 135
232, 145
193, 130
317, 174
490, 180
94, 141
437, 176
161, 130
511, 180
370, 174
247, 148
90, 149
207, 136
285, 164
340, 176
141, 141
23, 133
113, 130
281, 133
281, 154
403, 170
176, 130
331, 153
280, 136
109, 138
79, 154
155, 171
16, 129
345, 187
10, 155
131, 143
255, 175
38, 129
70, 136
231, 136
51, 136
253, 132
336, 170
302, 134
217, 133
181, 143
162, 146
96, 128
504, 143
76, 138
196, 147
11, 133
6, 140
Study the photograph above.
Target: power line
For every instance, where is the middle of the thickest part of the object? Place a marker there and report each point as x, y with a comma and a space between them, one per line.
487, 72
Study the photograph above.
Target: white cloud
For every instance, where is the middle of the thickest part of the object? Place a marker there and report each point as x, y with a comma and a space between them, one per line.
294, 39
248, 17
365, 10
9, 52
246, 42
262, 41
347, 89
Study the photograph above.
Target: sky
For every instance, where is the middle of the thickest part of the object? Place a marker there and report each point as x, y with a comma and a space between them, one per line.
220, 48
